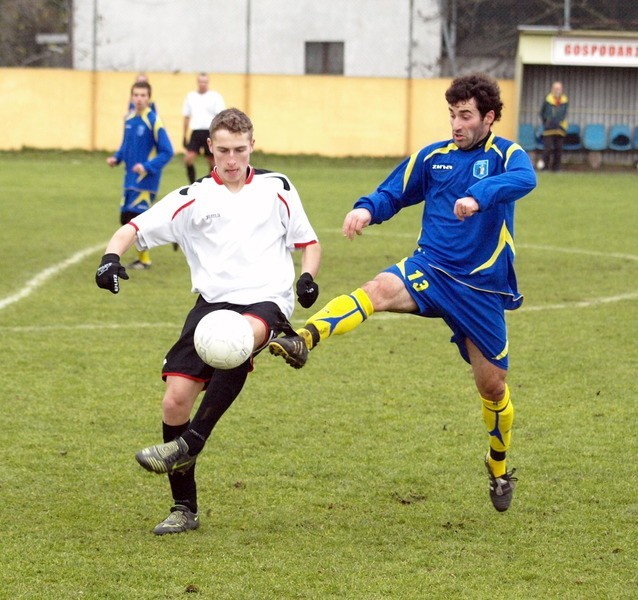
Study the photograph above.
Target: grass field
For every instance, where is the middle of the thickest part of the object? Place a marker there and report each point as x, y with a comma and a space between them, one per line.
359, 477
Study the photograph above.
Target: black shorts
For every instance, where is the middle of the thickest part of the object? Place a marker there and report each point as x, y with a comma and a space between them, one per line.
182, 359
199, 140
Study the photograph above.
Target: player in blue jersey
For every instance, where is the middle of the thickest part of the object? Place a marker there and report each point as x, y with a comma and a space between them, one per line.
462, 270
145, 151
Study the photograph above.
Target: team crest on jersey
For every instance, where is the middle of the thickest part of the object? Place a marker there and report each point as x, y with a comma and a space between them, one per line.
481, 168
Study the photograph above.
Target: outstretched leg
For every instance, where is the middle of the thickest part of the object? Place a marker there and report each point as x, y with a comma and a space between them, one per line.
386, 292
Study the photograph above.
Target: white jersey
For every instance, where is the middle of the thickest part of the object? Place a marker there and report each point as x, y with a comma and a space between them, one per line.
201, 108
238, 245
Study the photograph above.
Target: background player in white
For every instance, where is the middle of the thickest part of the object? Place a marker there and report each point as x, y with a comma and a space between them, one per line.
237, 229
200, 106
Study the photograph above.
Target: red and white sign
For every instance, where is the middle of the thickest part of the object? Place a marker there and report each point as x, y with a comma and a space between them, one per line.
595, 52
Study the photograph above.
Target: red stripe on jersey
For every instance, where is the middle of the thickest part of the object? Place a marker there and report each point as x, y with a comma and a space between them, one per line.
182, 208
251, 174
134, 225
285, 204
304, 244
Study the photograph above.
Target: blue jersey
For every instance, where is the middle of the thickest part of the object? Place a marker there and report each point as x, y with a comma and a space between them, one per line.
145, 141
479, 251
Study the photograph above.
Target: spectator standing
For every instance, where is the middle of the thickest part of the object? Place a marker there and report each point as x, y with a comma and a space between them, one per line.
554, 116
200, 106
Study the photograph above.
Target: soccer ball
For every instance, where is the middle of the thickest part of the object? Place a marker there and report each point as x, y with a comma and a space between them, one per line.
224, 339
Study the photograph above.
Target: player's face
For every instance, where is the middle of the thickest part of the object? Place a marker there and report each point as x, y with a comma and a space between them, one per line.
468, 127
232, 155
140, 99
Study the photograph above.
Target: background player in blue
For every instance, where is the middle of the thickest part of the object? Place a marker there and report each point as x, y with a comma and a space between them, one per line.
145, 151
462, 270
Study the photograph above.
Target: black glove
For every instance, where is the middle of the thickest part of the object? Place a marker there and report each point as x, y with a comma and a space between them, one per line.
109, 273
307, 290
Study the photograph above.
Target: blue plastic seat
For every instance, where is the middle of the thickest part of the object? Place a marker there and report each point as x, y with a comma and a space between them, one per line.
636, 138
573, 140
527, 137
620, 137
594, 137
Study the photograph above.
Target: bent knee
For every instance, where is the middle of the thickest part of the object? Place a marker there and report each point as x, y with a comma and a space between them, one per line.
492, 388
387, 292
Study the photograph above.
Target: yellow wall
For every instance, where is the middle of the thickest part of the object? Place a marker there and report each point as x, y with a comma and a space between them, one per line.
331, 116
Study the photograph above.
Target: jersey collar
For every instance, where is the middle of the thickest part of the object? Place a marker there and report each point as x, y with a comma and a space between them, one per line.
250, 173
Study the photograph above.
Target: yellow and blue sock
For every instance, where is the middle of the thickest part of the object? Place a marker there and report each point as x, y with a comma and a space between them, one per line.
499, 418
342, 314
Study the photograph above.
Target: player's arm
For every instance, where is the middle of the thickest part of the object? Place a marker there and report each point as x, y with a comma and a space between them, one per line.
122, 240
311, 259
307, 287
164, 151
518, 180
403, 187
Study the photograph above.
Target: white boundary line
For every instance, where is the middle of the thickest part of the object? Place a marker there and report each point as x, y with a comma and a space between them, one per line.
42, 277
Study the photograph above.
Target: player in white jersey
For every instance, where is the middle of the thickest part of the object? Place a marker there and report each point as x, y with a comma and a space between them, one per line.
237, 229
200, 106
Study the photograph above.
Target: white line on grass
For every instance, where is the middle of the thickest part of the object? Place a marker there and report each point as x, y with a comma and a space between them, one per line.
43, 276
49, 272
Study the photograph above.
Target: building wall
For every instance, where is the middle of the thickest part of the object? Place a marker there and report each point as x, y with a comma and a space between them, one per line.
383, 38
330, 116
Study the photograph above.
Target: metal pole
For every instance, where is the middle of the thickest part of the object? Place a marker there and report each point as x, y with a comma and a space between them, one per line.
568, 10
408, 91
248, 66
93, 107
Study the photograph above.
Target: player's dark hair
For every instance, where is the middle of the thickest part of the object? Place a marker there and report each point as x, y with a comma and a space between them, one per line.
483, 88
232, 119
143, 85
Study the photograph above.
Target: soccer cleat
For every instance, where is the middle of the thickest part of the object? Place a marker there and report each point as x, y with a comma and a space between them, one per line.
292, 348
138, 265
180, 519
501, 488
172, 457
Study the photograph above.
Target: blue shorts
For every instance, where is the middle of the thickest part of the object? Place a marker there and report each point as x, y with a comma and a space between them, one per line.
468, 312
136, 201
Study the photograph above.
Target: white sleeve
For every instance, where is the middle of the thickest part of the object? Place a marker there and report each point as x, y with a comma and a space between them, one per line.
186, 108
220, 104
299, 231
155, 226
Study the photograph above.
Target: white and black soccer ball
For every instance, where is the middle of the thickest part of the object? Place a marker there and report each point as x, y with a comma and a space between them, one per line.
224, 339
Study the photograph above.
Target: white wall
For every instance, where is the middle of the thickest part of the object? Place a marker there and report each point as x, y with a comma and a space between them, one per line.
255, 36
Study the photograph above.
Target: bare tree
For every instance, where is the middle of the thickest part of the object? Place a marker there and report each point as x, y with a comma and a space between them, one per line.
486, 31
22, 20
